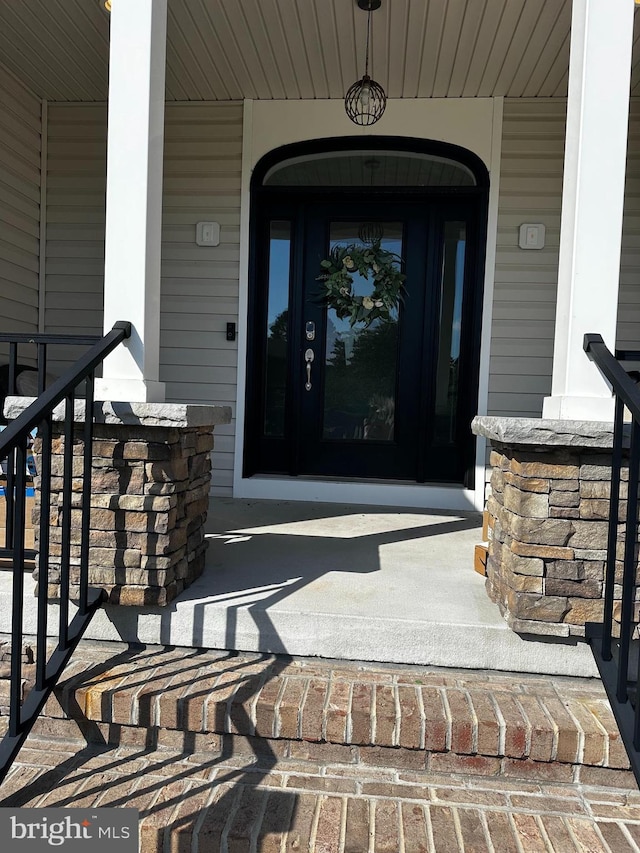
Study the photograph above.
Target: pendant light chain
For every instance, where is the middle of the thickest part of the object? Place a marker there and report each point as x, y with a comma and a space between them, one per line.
366, 100
366, 55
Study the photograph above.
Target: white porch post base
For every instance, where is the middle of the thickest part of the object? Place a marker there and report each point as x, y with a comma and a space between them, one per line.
565, 408
131, 390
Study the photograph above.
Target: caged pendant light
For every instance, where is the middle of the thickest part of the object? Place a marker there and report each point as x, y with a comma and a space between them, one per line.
366, 100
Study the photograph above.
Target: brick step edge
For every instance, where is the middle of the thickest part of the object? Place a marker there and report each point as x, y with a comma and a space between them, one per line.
297, 705
295, 756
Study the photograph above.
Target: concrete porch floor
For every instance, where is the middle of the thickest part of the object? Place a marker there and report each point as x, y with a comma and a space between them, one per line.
339, 581
344, 581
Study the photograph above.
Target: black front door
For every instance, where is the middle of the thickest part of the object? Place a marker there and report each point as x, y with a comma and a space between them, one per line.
388, 401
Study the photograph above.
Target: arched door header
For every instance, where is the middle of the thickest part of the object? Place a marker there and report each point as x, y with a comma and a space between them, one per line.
371, 162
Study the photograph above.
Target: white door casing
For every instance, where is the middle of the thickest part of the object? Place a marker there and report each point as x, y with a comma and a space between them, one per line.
475, 124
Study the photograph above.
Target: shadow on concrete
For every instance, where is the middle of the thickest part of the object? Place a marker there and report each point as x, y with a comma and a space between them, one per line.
262, 552
276, 565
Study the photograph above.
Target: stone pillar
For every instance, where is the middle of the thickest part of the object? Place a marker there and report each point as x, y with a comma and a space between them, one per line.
549, 510
149, 499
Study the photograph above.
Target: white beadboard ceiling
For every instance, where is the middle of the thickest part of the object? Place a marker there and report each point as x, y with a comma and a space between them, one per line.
233, 49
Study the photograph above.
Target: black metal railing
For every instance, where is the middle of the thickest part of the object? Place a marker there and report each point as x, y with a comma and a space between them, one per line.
23, 348
37, 346
58, 402
616, 651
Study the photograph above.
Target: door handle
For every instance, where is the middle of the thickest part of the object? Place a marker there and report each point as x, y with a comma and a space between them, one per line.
308, 357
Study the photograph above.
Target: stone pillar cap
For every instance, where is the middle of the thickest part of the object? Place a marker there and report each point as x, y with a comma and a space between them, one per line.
541, 432
177, 415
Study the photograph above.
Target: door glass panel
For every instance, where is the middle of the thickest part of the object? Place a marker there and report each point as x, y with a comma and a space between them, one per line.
361, 361
451, 289
277, 326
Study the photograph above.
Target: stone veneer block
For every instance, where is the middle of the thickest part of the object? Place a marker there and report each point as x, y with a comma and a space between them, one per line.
549, 502
150, 479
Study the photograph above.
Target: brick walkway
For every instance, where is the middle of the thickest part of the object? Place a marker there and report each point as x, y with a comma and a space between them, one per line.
292, 804
236, 753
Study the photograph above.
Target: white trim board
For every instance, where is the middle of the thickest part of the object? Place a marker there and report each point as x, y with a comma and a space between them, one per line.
488, 293
374, 493
42, 245
473, 123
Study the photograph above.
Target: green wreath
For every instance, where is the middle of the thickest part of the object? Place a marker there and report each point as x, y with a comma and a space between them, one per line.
371, 261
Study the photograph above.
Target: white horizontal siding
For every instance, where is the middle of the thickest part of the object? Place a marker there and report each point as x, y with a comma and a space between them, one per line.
76, 185
525, 280
199, 294
202, 175
20, 143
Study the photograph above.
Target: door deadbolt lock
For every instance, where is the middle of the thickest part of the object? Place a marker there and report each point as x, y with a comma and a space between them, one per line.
310, 331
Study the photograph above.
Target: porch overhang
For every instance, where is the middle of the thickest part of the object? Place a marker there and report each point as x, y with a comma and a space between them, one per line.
237, 49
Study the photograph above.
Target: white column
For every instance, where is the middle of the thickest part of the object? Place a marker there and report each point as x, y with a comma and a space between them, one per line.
592, 202
135, 143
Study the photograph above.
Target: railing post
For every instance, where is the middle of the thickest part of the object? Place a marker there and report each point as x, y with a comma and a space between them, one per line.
11, 458
44, 432
18, 593
10, 499
629, 570
67, 484
612, 539
42, 367
13, 367
636, 705
86, 492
